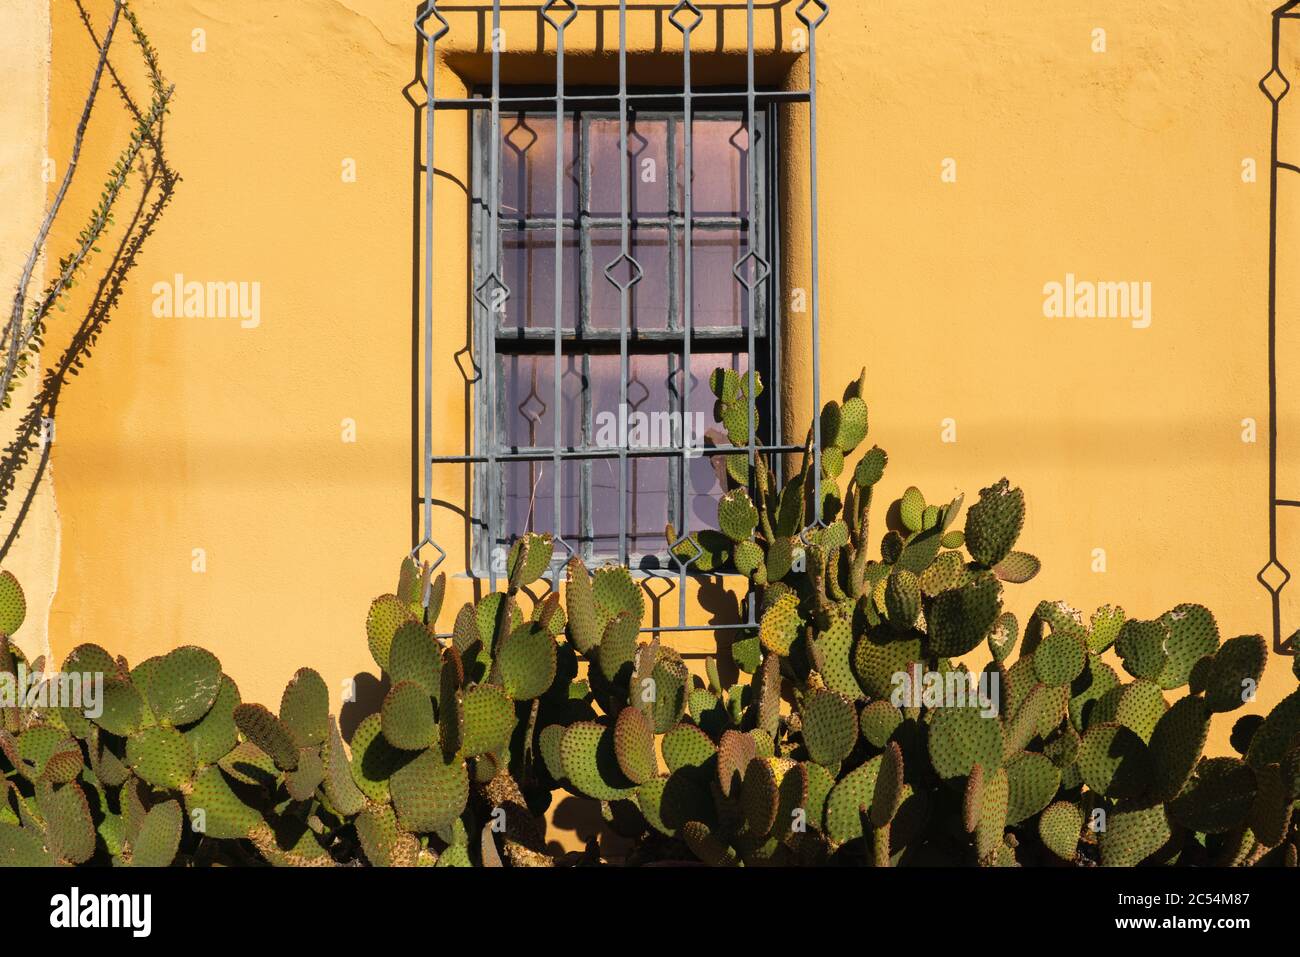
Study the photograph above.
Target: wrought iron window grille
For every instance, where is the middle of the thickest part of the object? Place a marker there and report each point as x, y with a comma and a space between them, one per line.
758, 272
1275, 576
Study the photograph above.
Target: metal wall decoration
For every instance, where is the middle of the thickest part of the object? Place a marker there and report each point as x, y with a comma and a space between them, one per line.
1275, 576
759, 268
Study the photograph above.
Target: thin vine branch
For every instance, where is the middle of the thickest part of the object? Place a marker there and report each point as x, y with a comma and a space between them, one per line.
144, 154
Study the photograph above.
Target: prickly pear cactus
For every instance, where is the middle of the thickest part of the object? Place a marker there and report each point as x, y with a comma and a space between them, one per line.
887, 709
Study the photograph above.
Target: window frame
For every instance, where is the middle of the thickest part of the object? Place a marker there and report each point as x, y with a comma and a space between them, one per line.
493, 341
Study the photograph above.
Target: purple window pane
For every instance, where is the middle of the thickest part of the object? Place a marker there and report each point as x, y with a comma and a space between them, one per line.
647, 168
528, 166
647, 298
528, 269
647, 505
529, 401
719, 300
530, 499
721, 164
646, 422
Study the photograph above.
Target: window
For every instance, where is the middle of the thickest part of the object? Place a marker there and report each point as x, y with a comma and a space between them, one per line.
652, 418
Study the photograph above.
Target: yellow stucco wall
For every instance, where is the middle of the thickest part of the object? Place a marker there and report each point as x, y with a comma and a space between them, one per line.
24, 118
1124, 165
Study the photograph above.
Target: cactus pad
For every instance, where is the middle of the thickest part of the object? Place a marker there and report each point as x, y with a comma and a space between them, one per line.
878, 656
527, 659
1276, 737
847, 801
1193, 635
269, 733
590, 757
216, 733
705, 845
780, 625
214, 809
529, 558
387, 614
159, 836
960, 738
737, 516
305, 707
1142, 645
615, 593
1086, 692
161, 756
1059, 828
69, 827
686, 746
1139, 707
1059, 659
671, 683
945, 573
489, 720
374, 760
760, 797
1218, 796
960, 619
415, 656
991, 820
1133, 834
617, 648
1235, 672
878, 722
383, 841
889, 791
634, 746
1114, 762
830, 726
13, 604
340, 789
994, 523
407, 717
430, 792
903, 598
1018, 568
911, 509
1003, 636
1032, 782
584, 625
1107, 622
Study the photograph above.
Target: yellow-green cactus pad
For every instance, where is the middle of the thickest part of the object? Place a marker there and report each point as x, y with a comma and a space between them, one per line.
305, 708
407, 717
527, 661
430, 792
1114, 762
960, 738
161, 756
589, 754
13, 604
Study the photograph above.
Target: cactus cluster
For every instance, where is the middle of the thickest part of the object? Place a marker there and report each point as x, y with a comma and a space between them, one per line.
835, 738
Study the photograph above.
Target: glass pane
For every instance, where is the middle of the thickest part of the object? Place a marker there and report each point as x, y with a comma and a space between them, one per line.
530, 500
646, 422
528, 269
647, 298
647, 167
721, 164
528, 166
526, 384
719, 300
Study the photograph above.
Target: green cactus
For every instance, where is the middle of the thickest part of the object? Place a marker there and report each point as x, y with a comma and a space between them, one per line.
815, 755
